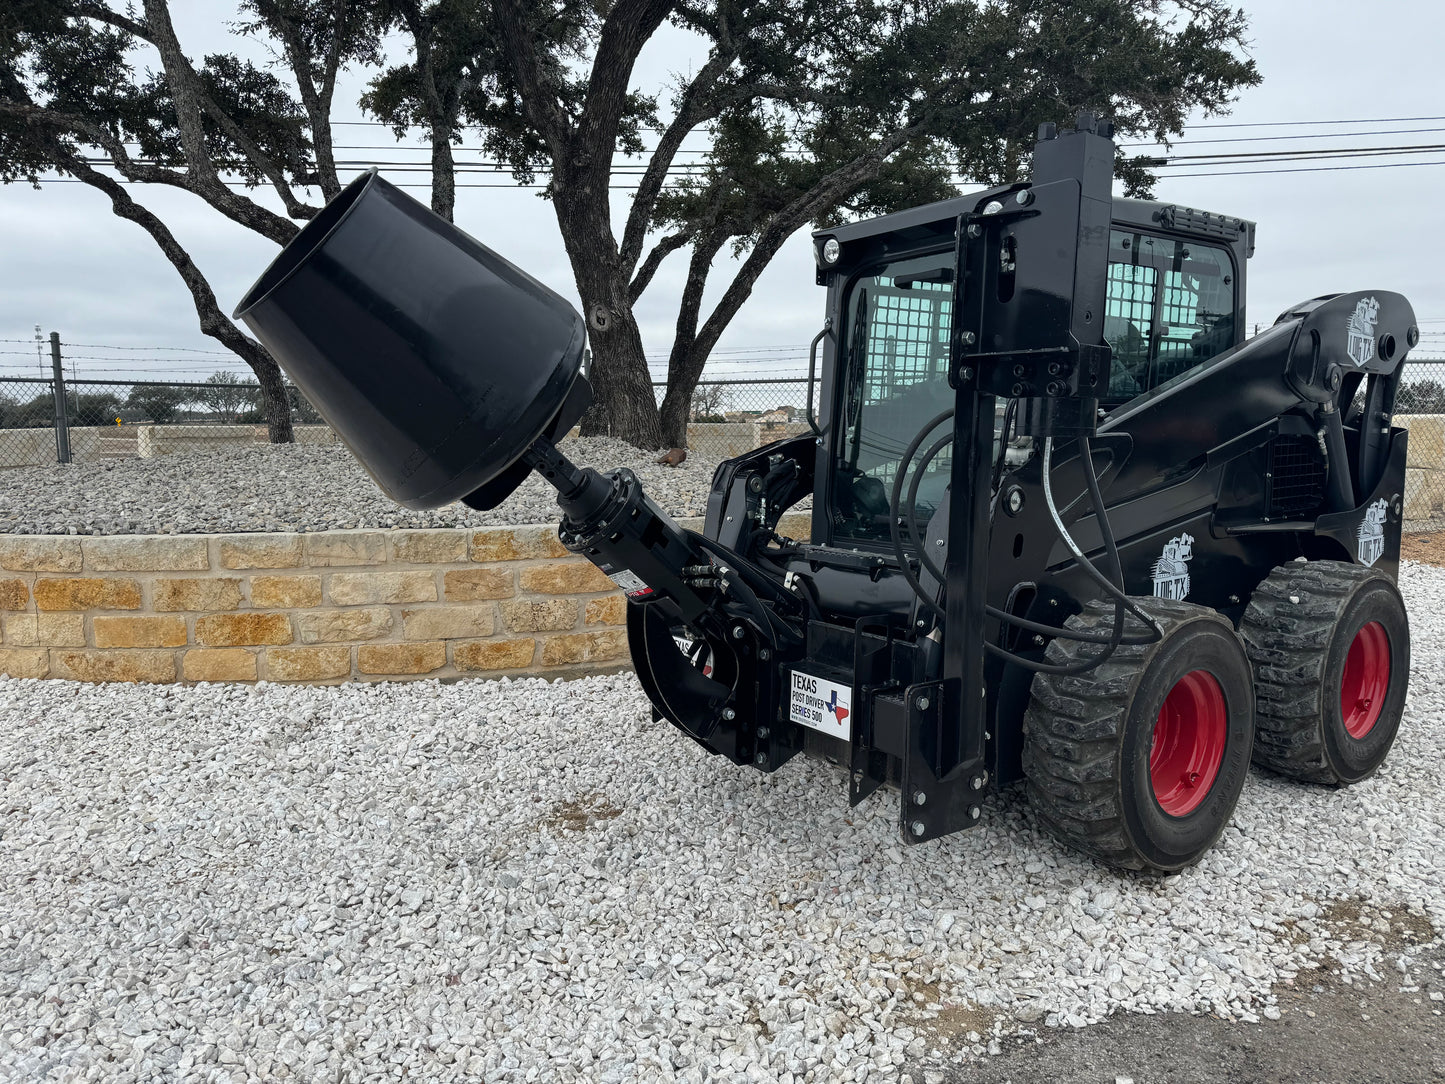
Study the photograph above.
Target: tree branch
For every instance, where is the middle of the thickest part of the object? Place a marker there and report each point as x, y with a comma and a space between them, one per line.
191, 100
660, 251
316, 102
785, 221
626, 30
690, 114
212, 320
237, 208
540, 95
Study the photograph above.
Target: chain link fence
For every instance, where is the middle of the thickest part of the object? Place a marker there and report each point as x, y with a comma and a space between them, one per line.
91, 420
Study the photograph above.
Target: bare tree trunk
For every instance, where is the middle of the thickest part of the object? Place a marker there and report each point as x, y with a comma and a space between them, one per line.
624, 405
677, 403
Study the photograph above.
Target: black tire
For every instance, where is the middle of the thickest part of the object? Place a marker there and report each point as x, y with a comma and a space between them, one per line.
1088, 739
1299, 628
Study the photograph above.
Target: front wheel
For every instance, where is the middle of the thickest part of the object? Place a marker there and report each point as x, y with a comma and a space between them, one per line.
1140, 762
1330, 644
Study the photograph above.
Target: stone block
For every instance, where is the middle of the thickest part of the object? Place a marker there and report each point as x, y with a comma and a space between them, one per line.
539, 615
581, 647
139, 631
24, 662
342, 626
471, 584
241, 630
444, 546
401, 658
171, 595
364, 588
308, 663
141, 553
261, 551
516, 544
796, 525
285, 592
331, 548
14, 595
150, 666
611, 610
565, 578
218, 664
447, 622
40, 553
494, 654
45, 630
86, 593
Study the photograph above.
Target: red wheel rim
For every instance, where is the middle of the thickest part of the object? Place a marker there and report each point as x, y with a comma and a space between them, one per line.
1367, 677
1188, 745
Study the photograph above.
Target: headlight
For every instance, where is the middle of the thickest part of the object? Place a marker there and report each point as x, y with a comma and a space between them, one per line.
831, 250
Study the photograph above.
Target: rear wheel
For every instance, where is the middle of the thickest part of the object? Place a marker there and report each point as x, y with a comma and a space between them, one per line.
1330, 644
1141, 761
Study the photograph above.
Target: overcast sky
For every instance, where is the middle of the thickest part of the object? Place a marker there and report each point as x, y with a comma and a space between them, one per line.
70, 266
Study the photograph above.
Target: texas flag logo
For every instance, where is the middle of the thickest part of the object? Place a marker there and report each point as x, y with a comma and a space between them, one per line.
840, 713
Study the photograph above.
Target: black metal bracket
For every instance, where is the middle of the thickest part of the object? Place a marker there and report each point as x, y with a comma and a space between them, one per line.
932, 805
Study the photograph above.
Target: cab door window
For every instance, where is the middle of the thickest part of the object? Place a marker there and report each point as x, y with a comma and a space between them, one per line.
1169, 307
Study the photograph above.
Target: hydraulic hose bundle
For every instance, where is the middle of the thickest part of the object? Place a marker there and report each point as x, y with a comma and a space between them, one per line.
903, 516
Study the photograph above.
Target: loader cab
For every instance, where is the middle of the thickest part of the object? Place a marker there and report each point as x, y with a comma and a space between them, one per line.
1175, 299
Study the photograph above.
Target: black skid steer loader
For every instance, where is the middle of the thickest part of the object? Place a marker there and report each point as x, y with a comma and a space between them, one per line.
1068, 526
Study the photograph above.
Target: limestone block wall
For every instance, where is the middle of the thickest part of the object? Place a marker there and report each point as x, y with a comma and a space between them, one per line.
154, 440
35, 447
1424, 465
326, 607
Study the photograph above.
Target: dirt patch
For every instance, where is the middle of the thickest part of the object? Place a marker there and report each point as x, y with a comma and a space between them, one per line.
581, 812
1427, 548
946, 1025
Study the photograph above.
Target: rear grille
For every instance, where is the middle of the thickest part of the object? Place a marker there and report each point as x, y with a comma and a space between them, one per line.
1297, 482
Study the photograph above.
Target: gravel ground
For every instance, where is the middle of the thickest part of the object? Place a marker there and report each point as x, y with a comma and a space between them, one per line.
290, 488
532, 881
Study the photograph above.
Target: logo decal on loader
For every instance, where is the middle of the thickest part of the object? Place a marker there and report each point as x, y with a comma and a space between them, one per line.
1372, 533
1171, 571
1361, 346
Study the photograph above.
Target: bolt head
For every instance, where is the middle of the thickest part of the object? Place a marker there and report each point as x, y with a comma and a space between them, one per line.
923, 703
762, 732
739, 632
729, 714
1024, 198
978, 781
968, 338
761, 758
765, 654
974, 812
918, 828
919, 798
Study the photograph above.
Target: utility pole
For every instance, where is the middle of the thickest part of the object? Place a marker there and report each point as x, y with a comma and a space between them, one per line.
62, 423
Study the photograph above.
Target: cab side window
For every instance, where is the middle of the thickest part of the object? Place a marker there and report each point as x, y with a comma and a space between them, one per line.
1169, 307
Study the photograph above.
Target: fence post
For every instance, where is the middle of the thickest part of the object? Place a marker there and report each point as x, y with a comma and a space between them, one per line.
62, 423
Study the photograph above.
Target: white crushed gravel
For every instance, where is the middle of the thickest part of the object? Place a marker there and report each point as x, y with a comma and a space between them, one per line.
291, 488
524, 881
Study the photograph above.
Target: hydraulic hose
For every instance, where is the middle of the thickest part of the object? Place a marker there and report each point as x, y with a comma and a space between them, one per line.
910, 523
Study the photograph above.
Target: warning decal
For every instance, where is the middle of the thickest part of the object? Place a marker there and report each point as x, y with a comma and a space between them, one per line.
629, 582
